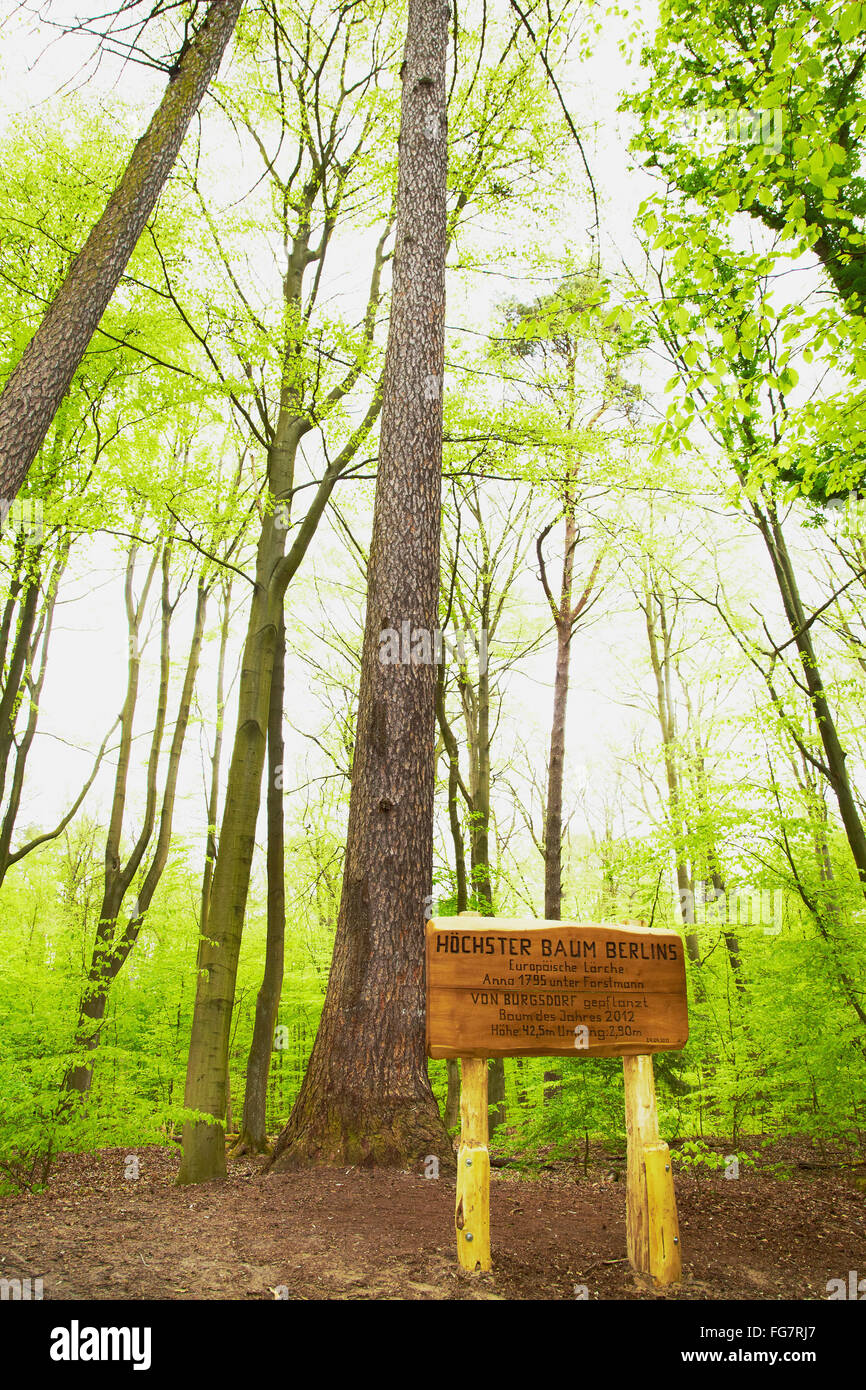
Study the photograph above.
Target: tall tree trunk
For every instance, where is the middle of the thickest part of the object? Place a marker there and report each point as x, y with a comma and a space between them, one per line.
216, 759
708, 839
555, 776
452, 753
479, 827
43, 375
835, 769
206, 1087
366, 1097
565, 615
659, 637
207, 1062
478, 730
826, 909
253, 1136
452, 1067
564, 623
730, 935
476, 710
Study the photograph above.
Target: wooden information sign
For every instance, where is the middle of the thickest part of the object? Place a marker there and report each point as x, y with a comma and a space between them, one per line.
503, 988
499, 987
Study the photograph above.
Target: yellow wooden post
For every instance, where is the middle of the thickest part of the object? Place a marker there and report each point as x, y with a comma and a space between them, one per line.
472, 1216
652, 1232
665, 1259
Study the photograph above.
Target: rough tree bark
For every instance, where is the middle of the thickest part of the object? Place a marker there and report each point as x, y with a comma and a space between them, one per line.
43, 375
366, 1097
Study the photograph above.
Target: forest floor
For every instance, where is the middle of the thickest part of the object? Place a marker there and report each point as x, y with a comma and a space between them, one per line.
778, 1231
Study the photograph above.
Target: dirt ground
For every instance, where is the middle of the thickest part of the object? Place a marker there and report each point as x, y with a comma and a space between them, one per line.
373, 1234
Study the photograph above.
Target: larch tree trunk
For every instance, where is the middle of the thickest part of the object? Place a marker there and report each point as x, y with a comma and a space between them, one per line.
43, 375
366, 1097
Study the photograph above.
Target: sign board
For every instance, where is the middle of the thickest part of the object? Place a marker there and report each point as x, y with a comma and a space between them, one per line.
500, 987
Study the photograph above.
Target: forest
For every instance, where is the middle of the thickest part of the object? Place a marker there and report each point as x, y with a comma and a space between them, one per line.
432, 482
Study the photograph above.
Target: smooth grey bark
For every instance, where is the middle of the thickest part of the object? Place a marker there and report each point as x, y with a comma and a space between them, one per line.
565, 613
452, 1098
216, 759
659, 636
253, 1136
834, 769
206, 1088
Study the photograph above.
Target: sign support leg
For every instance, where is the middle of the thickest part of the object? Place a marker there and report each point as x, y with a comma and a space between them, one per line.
652, 1228
472, 1216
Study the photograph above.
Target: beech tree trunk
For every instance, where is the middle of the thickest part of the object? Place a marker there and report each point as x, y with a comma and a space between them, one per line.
477, 714
565, 616
366, 1097
713, 860
42, 377
658, 630
835, 768
253, 1136
829, 915
565, 613
216, 759
556, 760
206, 1088
452, 1066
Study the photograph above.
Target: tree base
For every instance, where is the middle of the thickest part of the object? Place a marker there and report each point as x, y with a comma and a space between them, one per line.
247, 1144
338, 1132
204, 1154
